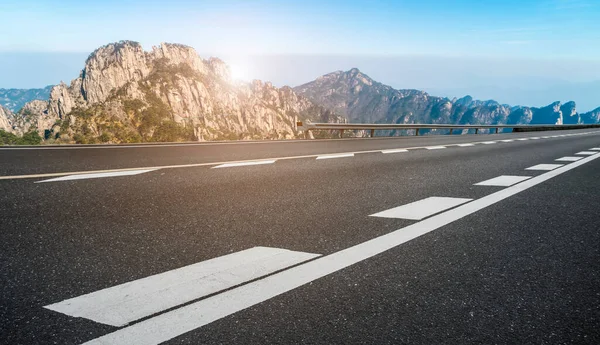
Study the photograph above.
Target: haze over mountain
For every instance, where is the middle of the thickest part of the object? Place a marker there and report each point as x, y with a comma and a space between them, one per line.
529, 53
15, 99
126, 94
512, 81
361, 99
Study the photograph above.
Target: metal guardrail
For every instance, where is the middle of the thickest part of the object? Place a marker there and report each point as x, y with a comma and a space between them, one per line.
307, 127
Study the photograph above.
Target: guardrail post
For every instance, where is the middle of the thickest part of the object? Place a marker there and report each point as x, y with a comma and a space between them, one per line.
341, 133
372, 133
417, 131
496, 130
451, 131
476, 130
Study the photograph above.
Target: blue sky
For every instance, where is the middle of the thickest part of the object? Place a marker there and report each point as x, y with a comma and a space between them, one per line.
492, 42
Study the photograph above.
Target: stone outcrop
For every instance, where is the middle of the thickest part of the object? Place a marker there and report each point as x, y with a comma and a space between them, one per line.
5, 119
126, 94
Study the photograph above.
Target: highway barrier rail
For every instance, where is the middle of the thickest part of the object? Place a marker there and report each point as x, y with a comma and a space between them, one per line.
308, 127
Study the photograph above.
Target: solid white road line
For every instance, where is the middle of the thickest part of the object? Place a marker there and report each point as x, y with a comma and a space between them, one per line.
98, 175
503, 181
507, 140
423, 208
544, 167
243, 164
435, 147
534, 138
586, 153
595, 149
179, 321
341, 155
465, 145
569, 159
523, 139
394, 151
488, 142
122, 304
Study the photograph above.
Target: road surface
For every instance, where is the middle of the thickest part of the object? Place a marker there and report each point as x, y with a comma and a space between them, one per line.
420, 240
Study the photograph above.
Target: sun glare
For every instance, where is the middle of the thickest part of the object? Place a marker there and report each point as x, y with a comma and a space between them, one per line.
239, 71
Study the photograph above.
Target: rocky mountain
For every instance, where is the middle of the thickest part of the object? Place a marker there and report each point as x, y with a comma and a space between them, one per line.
126, 94
15, 99
361, 99
591, 116
6, 117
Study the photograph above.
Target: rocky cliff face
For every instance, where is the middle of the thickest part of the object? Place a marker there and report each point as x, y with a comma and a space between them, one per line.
591, 117
362, 99
5, 119
15, 99
124, 94
569, 113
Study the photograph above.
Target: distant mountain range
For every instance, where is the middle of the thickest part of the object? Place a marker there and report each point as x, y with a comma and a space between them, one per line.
125, 94
15, 99
354, 95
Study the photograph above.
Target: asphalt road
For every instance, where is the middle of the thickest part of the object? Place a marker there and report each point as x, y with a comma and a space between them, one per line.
522, 268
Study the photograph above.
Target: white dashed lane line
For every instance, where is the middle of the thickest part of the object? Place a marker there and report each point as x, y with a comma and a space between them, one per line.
98, 175
166, 326
138, 170
423, 208
394, 151
128, 302
586, 153
568, 159
544, 167
341, 155
243, 164
503, 181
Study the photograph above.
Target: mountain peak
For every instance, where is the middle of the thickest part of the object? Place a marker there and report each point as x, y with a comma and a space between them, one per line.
354, 71
339, 89
169, 93
114, 48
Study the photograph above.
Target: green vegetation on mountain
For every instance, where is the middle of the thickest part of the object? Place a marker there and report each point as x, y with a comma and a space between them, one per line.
29, 138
